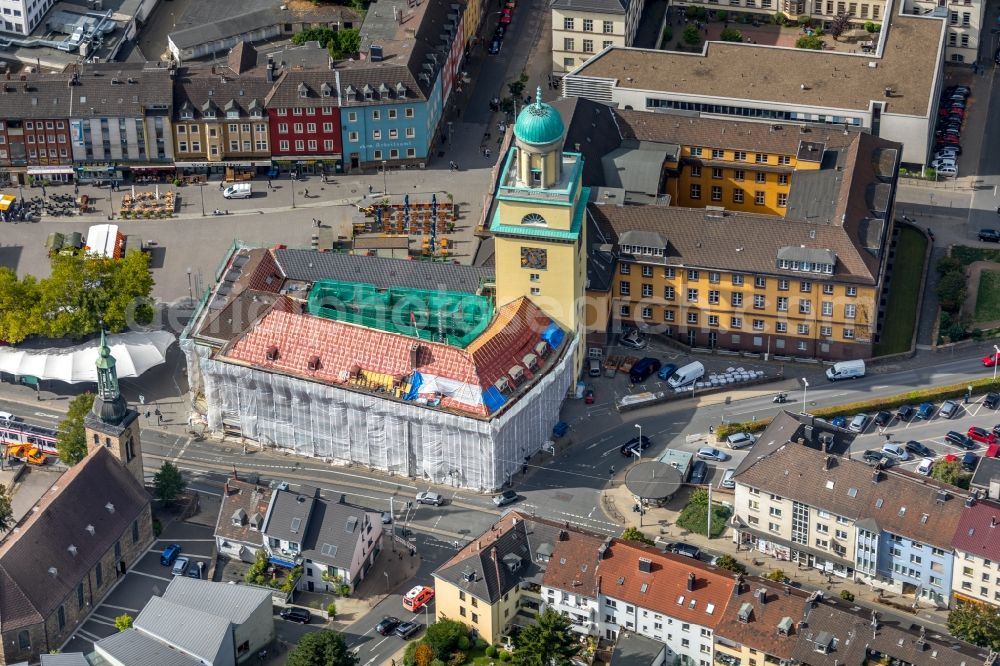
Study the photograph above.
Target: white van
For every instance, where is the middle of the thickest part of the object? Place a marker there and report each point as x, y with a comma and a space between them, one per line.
948, 171
687, 375
238, 191
846, 370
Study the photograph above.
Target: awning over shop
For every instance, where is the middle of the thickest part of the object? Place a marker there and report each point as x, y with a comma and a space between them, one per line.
200, 165
152, 167
42, 171
96, 168
6, 200
288, 564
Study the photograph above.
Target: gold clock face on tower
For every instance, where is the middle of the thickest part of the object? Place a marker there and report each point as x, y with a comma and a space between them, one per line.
534, 257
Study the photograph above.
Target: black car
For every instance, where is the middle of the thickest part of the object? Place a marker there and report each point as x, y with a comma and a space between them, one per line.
628, 448
495, 46
387, 625
685, 549
989, 235
918, 449
960, 440
500, 31
882, 419
407, 629
699, 470
969, 461
991, 400
873, 457
905, 413
294, 614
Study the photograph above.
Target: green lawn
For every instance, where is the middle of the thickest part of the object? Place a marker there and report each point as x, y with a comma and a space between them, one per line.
988, 297
694, 518
967, 255
904, 292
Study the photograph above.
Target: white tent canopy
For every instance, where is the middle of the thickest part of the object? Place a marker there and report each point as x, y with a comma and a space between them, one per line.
134, 353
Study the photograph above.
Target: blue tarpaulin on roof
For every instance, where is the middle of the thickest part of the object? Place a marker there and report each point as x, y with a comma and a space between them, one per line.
493, 399
415, 381
554, 335
288, 564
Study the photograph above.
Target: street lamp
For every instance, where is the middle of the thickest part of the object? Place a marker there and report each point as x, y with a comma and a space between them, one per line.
805, 394
996, 357
638, 449
385, 179
386, 581
190, 288
201, 188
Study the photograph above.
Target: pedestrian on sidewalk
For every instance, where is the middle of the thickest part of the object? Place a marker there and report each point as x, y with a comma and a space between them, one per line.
305, 192
269, 186
370, 188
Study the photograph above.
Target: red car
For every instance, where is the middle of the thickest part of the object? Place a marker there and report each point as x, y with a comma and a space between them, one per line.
982, 435
506, 17
588, 397
991, 360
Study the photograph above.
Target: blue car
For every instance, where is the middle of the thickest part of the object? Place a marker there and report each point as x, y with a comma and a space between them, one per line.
925, 411
170, 554
666, 370
560, 429
839, 421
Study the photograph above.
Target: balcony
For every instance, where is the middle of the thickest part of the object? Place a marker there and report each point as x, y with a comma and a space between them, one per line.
723, 659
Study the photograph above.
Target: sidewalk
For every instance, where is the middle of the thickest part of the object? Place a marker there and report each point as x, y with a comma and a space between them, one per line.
659, 525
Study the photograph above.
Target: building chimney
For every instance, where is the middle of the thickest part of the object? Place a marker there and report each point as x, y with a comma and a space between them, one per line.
691, 580
645, 565
270, 71
762, 595
993, 521
738, 584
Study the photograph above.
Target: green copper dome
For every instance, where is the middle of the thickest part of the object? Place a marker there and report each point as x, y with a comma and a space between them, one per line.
539, 123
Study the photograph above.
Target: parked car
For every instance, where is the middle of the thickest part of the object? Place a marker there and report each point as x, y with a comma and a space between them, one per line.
924, 467
925, 411
633, 340
949, 408
990, 360
981, 435
738, 440
895, 451
873, 457
180, 566
506, 497
407, 629
905, 413
989, 235
969, 461
387, 625
594, 367
918, 449
839, 421
500, 32
628, 448
588, 396
937, 164
698, 473
296, 614
643, 368
427, 497
728, 479
685, 549
196, 570
170, 554
710, 453
417, 598
386, 518
960, 440
991, 400
883, 418
495, 46
666, 370
858, 423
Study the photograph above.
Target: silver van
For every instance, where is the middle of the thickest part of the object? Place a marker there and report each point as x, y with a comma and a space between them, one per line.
728, 480
594, 367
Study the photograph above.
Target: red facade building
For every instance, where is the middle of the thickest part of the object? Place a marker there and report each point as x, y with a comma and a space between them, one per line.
304, 117
34, 140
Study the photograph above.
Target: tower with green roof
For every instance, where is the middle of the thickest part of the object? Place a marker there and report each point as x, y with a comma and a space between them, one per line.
539, 225
111, 423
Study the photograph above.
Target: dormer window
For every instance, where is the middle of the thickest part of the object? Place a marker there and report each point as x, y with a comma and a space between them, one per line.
303, 90
326, 90
368, 92
233, 114
400, 91
352, 94
187, 115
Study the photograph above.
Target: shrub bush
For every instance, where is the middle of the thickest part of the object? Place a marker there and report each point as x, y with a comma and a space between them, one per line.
847, 595
481, 644
505, 656
491, 651
722, 15
463, 643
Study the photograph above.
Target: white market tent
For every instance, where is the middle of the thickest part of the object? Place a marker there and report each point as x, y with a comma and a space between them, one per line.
135, 353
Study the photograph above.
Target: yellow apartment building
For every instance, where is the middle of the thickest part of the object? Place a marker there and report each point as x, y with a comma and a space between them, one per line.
976, 572
581, 29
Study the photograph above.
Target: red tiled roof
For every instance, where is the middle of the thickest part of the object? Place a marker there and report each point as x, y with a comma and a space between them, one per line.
978, 531
344, 348
666, 584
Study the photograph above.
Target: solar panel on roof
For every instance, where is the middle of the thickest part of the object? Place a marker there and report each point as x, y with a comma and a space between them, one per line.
329, 550
296, 522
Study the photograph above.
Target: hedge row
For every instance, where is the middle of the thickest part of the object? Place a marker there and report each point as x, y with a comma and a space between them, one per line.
913, 398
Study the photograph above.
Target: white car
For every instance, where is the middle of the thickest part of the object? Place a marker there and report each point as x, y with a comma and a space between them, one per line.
858, 423
427, 497
925, 466
633, 341
895, 451
738, 440
943, 162
946, 154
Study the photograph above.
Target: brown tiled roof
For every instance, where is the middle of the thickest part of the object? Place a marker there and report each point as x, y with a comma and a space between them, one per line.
37, 568
574, 565
735, 241
760, 630
664, 588
219, 85
978, 531
242, 57
320, 88
250, 498
790, 76
901, 504
757, 137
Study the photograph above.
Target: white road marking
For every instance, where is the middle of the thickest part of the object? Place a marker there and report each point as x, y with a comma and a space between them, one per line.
43, 415
143, 573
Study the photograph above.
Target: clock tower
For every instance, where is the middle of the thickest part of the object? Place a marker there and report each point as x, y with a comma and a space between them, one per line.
539, 226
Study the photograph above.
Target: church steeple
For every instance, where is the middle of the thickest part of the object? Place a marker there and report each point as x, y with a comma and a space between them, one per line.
109, 405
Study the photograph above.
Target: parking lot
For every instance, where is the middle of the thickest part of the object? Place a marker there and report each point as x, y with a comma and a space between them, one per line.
145, 578
930, 433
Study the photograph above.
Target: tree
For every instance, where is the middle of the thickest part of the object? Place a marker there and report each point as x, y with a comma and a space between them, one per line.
691, 35
345, 43
871, 26
809, 42
123, 622
978, 624
948, 264
168, 482
423, 655
950, 471
777, 575
72, 444
548, 641
633, 534
322, 648
841, 23
6, 510
730, 563
731, 35
443, 635
722, 15
951, 291
321, 35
